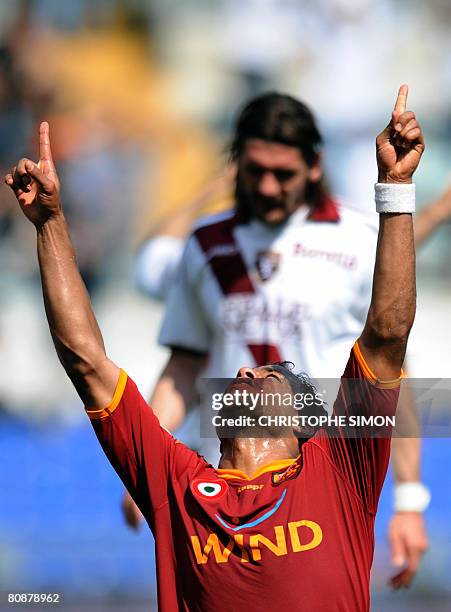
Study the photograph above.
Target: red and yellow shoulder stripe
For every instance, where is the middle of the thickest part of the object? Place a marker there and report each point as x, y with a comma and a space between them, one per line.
101, 413
369, 374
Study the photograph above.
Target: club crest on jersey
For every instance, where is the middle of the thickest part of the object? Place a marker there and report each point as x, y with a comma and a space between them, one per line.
209, 489
291, 472
267, 263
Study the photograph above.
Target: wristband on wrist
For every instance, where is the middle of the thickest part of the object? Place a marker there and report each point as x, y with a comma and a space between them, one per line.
411, 497
395, 197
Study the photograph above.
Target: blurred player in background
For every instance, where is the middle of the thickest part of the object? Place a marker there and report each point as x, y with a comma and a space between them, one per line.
159, 257
335, 481
284, 225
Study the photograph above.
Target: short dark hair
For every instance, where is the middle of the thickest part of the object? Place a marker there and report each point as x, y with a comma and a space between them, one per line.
301, 383
280, 118
277, 117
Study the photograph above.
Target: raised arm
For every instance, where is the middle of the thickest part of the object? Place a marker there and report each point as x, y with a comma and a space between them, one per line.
392, 310
72, 323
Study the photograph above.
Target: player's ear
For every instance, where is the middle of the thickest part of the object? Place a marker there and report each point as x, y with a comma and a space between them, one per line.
315, 172
297, 431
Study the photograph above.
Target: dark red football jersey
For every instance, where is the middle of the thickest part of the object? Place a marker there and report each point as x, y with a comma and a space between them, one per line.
296, 535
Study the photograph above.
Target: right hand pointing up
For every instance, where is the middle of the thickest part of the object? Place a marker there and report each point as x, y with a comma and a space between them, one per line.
36, 186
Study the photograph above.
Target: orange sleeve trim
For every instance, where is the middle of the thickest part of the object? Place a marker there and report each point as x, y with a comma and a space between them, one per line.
101, 413
369, 374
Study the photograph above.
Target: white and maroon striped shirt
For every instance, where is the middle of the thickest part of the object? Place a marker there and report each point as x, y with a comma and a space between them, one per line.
251, 294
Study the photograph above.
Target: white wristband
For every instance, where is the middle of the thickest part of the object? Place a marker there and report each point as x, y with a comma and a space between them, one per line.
394, 197
411, 497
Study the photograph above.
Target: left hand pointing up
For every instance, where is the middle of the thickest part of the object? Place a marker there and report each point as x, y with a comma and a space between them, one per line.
400, 145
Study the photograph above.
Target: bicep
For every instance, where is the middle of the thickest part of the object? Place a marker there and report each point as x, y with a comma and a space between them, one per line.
383, 355
96, 381
183, 368
384, 359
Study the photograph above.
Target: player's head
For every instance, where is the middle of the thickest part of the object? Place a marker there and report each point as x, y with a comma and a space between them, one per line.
265, 394
276, 146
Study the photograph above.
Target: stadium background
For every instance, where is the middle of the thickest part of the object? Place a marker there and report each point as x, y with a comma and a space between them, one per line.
140, 96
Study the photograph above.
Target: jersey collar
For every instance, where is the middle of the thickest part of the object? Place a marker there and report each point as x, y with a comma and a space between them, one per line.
326, 211
274, 466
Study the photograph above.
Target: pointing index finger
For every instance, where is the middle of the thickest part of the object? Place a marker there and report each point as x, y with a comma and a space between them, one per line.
45, 152
401, 100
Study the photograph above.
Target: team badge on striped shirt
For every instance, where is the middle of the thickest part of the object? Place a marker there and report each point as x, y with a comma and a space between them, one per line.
267, 263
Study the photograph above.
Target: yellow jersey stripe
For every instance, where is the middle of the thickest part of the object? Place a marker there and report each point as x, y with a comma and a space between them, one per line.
369, 374
274, 466
101, 413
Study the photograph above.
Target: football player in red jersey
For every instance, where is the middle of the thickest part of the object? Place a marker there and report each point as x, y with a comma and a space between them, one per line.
234, 296
282, 523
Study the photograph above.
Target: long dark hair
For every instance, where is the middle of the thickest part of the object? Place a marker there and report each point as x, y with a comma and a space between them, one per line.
280, 118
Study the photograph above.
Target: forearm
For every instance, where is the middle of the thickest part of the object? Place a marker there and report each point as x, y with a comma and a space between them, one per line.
174, 393
72, 323
406, 458
406, 443
393, 301
168, 403
410, 494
